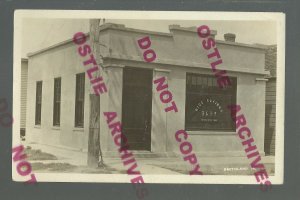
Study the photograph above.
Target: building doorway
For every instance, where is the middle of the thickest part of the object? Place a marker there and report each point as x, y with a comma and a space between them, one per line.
137, 107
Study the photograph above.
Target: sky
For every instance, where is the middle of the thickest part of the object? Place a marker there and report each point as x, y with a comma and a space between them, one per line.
41, 33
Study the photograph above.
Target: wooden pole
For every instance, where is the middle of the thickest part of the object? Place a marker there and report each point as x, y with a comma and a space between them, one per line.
94, 131
94, 147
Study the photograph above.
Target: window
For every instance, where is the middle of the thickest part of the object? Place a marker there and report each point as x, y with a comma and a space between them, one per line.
56, 102
38, 103
79, 100
206, 103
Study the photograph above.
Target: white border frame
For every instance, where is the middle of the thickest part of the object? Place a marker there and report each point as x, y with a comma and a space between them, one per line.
150, 15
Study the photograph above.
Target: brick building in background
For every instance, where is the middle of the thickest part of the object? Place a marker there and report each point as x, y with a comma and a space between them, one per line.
270, 65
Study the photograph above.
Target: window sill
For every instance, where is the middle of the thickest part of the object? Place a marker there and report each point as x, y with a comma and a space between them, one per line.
77, 129
37, 126
56, 128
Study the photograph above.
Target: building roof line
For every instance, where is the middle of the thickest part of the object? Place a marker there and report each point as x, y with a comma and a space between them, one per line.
122, 27
110, 59
241, 44
53, 46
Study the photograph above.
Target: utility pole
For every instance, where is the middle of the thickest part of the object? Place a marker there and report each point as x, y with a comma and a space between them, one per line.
94, 147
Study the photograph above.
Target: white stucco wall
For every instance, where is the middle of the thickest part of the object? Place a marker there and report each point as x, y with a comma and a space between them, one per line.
63, 62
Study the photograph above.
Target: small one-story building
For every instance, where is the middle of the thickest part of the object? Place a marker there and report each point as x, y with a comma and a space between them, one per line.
58, 94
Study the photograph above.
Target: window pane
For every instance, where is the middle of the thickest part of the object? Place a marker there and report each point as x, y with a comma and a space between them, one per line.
206, 106
56, 102
79, 100
38, 102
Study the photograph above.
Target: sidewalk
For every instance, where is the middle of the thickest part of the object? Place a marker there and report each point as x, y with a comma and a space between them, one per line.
159, 165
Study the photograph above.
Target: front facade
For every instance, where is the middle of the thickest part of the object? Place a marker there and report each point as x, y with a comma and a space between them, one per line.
58, 106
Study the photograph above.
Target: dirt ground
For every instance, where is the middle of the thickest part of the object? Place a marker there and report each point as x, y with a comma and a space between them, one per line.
45, 162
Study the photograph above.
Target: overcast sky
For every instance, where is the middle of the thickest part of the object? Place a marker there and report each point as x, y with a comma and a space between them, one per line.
41, 33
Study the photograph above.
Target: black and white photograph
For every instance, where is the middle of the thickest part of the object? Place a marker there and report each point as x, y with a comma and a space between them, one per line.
149, 96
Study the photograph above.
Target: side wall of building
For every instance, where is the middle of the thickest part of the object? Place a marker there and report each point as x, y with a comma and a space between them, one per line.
62, 61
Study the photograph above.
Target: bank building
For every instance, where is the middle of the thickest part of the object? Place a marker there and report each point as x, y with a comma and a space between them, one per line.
59, 107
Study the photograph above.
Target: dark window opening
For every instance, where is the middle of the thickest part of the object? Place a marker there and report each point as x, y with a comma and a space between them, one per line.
38, 103
56, 101
79, 100
206, 103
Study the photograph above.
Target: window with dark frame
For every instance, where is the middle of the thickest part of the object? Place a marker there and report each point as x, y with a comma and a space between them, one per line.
38, 103
79, 100
206, 103
56, 101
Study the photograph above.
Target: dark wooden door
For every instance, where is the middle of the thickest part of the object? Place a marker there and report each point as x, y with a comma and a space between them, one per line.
137, 107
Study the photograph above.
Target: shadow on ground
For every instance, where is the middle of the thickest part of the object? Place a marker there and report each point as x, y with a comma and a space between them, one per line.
68, 168
45, 162
33, 154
